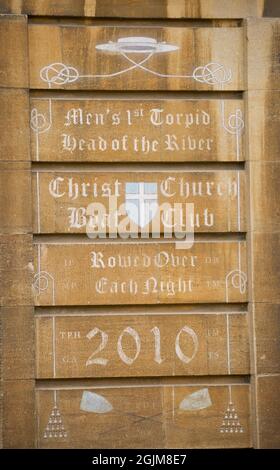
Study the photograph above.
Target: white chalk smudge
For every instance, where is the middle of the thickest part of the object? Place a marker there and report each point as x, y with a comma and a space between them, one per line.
95, 403
196, 401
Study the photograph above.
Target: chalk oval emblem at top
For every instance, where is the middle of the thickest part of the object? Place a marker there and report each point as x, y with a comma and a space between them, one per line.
95, 403
137, 45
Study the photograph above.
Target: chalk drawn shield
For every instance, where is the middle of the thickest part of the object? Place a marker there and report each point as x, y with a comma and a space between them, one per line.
141, 202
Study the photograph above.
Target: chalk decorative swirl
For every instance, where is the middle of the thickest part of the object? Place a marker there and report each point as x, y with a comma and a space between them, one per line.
42, 281
58, 73
212, 74
236, 279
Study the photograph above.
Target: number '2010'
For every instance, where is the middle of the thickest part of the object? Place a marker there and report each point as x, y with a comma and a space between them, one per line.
95, 358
